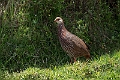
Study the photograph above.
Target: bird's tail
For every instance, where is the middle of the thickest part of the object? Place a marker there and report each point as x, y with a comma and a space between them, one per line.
87, 56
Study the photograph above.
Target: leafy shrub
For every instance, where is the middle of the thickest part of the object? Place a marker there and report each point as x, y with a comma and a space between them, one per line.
28, 33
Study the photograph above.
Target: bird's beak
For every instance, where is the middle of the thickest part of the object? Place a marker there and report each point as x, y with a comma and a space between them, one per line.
55, 20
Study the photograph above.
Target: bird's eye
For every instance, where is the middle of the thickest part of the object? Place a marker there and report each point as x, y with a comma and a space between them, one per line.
58, 19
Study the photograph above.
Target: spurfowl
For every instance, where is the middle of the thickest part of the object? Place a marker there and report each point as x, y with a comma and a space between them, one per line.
70, 43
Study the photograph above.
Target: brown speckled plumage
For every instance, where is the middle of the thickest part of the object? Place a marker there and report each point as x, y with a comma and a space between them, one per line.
70, 43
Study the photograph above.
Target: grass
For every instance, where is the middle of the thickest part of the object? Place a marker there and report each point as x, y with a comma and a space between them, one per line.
29, 43
105, 67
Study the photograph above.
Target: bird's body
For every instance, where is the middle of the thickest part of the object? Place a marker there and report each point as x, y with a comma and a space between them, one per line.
70, 43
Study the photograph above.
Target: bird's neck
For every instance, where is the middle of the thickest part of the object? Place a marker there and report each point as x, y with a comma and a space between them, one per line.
61, 29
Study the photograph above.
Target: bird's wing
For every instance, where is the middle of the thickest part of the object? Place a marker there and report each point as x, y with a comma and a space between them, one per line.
78, 41
79, 45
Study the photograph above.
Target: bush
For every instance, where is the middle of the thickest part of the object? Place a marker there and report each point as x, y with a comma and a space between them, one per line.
29, 37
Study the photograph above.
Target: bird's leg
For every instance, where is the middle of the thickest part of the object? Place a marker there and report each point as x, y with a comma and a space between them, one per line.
73, 59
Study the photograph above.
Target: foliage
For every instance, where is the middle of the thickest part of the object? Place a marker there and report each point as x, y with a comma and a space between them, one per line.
28, 35
103, 28
106, 67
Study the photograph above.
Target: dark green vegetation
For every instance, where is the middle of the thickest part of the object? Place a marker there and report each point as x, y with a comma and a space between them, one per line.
105, 68
28, 37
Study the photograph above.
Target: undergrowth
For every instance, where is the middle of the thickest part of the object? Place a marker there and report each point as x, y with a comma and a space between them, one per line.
106, 67
29, 45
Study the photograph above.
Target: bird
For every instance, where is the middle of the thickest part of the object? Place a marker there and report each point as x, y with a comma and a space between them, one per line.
70, 43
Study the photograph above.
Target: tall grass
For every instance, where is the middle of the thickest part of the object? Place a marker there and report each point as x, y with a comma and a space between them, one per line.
106, 67
28, 36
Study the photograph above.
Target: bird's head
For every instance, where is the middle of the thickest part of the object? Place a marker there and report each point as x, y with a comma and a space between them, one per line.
58, 20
